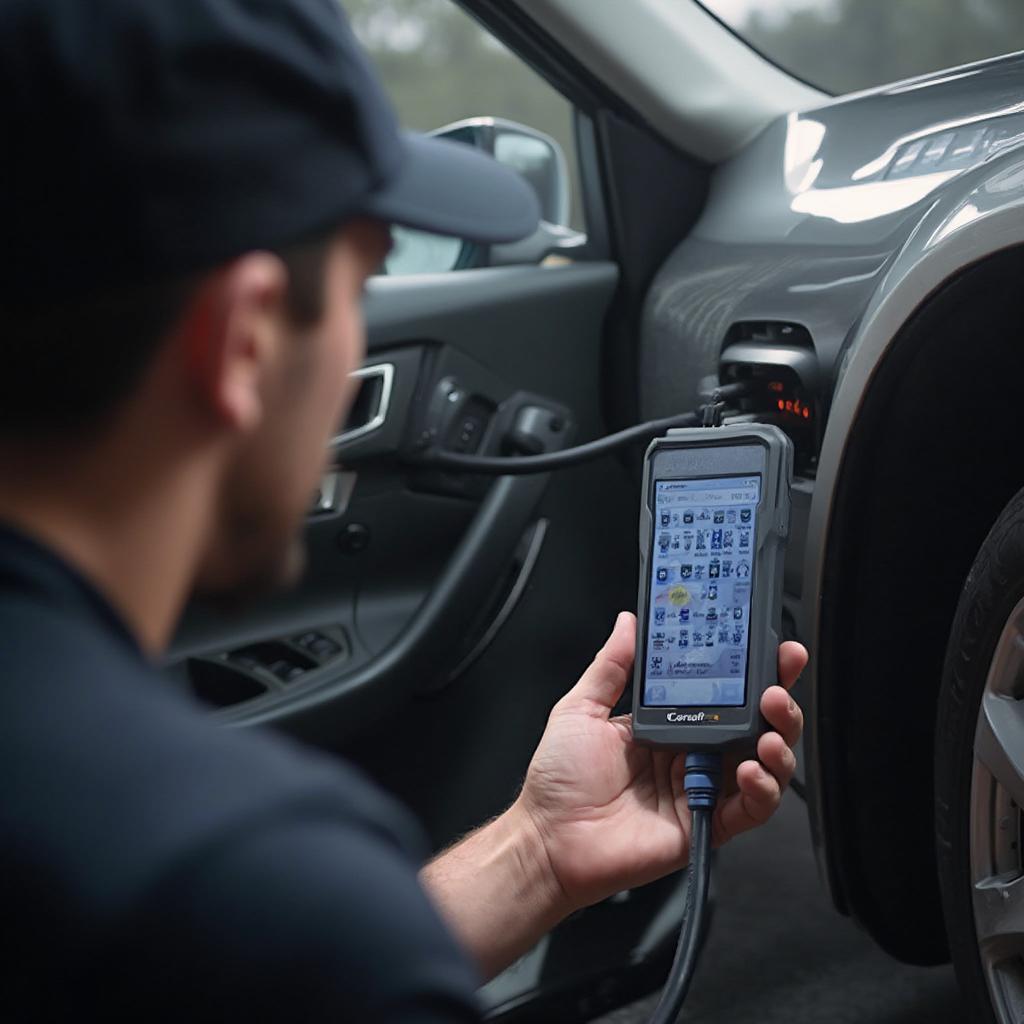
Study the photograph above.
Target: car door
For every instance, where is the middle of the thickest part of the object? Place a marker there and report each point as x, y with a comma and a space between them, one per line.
442, 615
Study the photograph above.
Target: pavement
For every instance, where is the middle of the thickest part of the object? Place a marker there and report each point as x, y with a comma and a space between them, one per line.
778, 951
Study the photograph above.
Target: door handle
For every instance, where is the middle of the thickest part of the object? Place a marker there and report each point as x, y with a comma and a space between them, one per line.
370, 406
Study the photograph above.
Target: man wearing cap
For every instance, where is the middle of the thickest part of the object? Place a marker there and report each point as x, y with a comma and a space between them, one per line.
195, 192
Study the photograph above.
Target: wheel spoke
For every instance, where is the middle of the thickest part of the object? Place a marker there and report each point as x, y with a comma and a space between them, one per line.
999, 742
996, 803
1004, 674
999, 915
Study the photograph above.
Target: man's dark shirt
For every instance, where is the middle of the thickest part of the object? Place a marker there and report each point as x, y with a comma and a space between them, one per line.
157, 867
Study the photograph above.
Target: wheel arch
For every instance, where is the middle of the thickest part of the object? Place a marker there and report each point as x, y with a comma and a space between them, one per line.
891, 535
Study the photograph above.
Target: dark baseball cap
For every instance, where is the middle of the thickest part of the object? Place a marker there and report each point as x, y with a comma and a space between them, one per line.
147, 138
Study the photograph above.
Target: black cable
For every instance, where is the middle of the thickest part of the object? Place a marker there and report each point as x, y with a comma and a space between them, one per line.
702, 774
518, 465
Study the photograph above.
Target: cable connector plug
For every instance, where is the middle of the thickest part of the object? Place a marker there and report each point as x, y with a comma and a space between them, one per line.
702, 779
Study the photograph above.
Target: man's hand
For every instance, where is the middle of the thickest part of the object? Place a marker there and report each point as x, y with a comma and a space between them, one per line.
598, 813
612, 815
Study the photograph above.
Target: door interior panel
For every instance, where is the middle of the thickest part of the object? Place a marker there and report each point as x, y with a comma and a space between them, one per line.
415, 578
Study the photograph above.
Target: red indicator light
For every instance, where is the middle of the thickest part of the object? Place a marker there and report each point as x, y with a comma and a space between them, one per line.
775, 385
782, 405
807, 413
789, 405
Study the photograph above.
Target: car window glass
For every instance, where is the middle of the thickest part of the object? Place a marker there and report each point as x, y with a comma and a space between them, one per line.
844, 45
440, 66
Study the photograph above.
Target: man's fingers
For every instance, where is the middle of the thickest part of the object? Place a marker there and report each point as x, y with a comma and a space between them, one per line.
775, 755
759, 785
755, 802
602, 684
792, 659
782, 713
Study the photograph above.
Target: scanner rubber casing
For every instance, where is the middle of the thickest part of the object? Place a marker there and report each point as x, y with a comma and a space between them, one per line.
731, 450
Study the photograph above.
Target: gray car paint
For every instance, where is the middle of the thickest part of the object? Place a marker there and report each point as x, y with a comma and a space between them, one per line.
843, 218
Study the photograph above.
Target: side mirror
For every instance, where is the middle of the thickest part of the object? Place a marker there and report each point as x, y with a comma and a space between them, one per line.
541, 161
536, 156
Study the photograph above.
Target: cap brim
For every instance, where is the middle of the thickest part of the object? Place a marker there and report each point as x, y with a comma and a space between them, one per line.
449, 188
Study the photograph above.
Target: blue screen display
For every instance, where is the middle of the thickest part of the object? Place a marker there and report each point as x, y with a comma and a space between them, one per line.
701, 575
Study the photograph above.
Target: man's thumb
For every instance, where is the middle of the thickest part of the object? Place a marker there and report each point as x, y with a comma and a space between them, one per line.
602, 684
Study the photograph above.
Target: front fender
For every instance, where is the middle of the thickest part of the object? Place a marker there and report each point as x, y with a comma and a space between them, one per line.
971, 218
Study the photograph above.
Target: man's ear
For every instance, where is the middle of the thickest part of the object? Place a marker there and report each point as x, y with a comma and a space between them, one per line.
231, 333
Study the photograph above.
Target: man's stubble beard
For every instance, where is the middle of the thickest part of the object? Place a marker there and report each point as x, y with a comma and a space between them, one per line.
264, 503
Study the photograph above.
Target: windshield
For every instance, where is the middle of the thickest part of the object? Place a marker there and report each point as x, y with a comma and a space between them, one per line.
844, 45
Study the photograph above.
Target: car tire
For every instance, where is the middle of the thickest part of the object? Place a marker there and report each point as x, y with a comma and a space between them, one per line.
979, 777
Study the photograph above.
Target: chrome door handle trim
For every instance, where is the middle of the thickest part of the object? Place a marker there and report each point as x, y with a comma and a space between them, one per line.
386, 372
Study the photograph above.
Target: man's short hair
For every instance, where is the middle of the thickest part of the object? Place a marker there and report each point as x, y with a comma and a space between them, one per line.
68, 367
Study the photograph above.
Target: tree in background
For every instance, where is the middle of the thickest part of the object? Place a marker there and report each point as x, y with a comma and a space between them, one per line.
844, 45
439, 65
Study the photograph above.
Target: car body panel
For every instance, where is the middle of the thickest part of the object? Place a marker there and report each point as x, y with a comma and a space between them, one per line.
844, 219
777, 238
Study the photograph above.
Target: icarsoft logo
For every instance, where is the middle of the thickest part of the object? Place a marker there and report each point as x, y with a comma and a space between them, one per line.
694, 717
